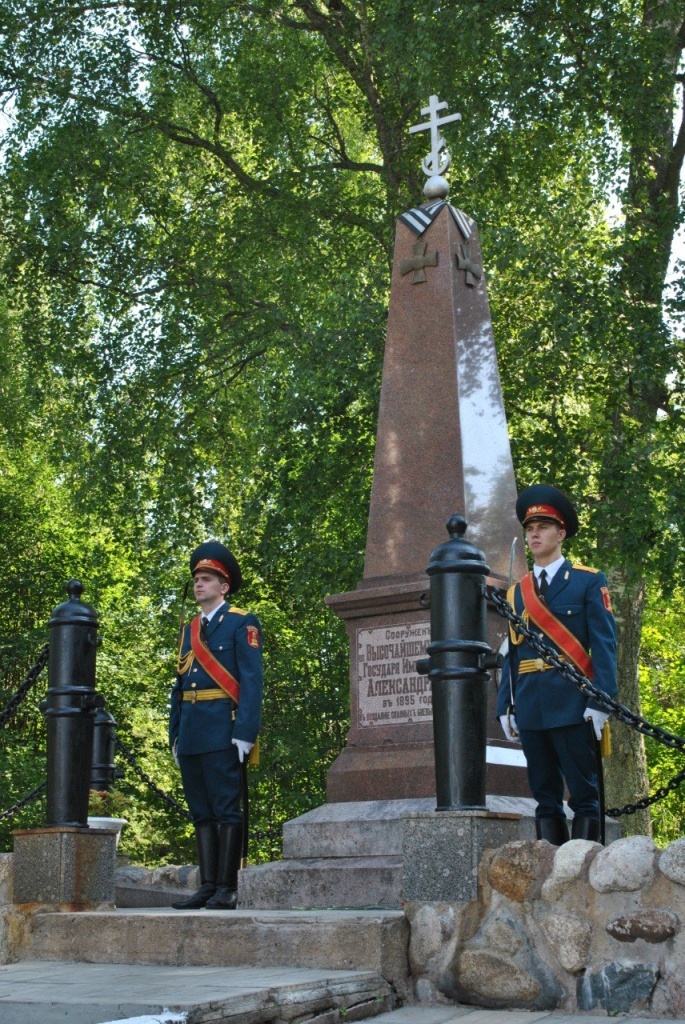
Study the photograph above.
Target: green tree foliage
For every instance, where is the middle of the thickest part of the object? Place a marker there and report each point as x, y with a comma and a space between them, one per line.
197, 219
662, 683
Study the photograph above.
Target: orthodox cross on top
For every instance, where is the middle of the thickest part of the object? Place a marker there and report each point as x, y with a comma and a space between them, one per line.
438, 160
419, 260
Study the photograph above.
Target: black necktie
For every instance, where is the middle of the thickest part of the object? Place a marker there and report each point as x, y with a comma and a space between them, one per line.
204, 623
543, 583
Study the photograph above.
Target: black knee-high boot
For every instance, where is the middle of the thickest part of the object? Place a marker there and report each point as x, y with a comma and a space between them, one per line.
585, 828
230, 851
554, 830
206, 838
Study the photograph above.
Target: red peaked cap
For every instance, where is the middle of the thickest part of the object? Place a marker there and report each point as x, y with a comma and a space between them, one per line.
541, 501
212, 556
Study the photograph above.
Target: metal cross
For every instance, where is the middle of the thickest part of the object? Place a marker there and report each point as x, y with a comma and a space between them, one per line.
464, 262
419, 260
437, 161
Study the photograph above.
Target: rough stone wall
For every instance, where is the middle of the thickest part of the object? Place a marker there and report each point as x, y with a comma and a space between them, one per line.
11, 921
579, 928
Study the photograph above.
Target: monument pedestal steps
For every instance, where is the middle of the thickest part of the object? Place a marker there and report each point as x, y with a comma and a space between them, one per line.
213, 966
352, 854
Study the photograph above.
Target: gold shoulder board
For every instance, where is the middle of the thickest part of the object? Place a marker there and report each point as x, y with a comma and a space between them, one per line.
238, 611
584, 568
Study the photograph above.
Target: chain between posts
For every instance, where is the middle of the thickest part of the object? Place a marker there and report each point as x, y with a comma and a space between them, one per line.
24, 801
606, 703
10, 709
8, 712
130, 757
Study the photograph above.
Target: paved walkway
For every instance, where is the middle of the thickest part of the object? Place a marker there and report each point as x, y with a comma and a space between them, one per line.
472, 1015
47, 992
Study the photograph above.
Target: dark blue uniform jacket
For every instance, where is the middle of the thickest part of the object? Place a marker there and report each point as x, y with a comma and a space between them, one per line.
234, 638
545, 700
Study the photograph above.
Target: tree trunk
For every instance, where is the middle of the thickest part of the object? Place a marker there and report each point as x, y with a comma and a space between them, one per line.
626, 770
651, 212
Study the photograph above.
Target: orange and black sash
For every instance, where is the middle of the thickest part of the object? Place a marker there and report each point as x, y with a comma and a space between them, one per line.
214, 669
545, 620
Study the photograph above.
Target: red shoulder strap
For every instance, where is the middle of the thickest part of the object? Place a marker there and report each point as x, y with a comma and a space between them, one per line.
545, 620
221, 676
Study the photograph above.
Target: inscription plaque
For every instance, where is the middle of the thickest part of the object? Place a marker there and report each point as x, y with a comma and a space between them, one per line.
391, 692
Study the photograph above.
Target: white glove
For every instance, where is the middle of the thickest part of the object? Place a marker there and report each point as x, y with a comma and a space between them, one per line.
598, 718
174, 753
509, 727
243, 749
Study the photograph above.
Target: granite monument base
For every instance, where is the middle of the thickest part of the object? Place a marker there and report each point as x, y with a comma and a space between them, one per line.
441, 852
390, 753
380, 853
70, 867
352, 854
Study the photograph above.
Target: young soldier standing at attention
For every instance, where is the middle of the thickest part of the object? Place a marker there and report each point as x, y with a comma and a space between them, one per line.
570, 608
215, 712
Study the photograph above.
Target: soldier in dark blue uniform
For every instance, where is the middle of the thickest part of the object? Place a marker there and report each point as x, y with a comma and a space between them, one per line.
215, 713
535, 702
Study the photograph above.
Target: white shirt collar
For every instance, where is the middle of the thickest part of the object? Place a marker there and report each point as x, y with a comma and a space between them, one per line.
550, 569
210, 615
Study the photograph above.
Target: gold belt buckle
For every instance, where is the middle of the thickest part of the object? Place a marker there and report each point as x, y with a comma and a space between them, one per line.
193, 696
540, 665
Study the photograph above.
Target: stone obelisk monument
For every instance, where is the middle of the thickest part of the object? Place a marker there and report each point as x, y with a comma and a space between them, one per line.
442, 447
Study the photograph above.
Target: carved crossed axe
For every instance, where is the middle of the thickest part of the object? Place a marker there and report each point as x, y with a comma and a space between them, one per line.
419, 260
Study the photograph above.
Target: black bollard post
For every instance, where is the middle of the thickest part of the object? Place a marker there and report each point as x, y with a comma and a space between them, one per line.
457, 668
103, 769
69, 709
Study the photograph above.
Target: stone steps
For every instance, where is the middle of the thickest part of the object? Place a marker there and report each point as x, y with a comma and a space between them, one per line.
372, 828
364, 828
35, 992
334, 940
323, 882
350, 854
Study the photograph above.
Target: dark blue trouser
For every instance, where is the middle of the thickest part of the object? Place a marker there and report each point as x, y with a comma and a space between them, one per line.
211, 783
555, 755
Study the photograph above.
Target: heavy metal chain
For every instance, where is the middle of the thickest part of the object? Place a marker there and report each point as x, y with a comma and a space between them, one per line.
130, 757
270, 833
582, 683
8, 712
24, 801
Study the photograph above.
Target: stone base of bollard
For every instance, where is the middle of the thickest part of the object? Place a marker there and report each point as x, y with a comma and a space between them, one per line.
69, 868
441, 851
